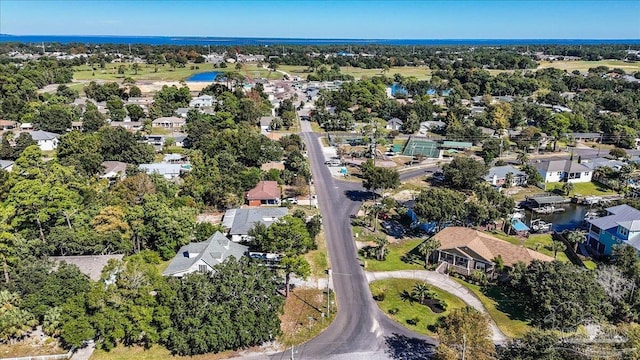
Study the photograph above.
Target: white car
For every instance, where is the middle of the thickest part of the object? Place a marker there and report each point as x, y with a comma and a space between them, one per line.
291, 200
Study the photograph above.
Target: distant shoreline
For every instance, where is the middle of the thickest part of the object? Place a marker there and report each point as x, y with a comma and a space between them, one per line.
258, 41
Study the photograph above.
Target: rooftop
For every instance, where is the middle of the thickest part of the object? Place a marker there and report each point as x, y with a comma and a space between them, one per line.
501, 172
240, 221
617, 214
264, 190
90, 265
212, 252
486, 247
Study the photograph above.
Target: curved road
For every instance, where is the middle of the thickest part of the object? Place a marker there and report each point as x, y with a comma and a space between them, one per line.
360, 330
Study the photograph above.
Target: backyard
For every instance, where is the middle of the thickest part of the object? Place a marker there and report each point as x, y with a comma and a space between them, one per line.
538, 242
584, 189
406, 311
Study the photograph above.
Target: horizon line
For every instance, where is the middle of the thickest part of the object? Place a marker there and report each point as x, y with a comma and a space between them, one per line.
307, 38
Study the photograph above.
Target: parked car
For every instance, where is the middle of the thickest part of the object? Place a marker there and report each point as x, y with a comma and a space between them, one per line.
291, 200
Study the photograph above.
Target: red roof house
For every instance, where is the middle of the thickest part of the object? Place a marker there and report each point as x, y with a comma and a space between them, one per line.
265, 193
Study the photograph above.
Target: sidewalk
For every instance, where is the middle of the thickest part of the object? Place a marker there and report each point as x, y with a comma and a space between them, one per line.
445, 283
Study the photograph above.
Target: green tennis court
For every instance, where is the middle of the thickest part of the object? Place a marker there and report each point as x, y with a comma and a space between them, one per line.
425, 147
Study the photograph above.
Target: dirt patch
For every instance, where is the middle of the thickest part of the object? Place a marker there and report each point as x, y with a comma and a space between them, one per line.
302, 318
35, 345
434, 305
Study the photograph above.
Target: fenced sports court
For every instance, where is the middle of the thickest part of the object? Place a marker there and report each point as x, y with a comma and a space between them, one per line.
425, 147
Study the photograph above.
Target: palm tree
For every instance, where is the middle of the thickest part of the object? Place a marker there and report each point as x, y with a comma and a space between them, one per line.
422, 292
574, 238
568, 188
427, 247
508, 179
135, 67
523, 158
381, 248
557, 246
499, 263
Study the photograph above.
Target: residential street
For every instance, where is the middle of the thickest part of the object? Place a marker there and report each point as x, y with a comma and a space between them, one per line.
360, 330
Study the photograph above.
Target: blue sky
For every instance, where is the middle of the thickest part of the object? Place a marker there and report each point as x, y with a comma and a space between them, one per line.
516, 19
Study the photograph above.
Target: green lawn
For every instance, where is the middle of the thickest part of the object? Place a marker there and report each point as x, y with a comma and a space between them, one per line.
507, 317
392, 289
394, 261
532, 242
585, 189
584, 66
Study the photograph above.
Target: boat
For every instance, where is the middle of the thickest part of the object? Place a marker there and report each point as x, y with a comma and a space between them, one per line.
591, 214
517, 214
550, 209
538, 225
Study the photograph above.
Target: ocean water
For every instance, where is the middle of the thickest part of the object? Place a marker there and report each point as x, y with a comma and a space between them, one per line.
208, 76
235, 41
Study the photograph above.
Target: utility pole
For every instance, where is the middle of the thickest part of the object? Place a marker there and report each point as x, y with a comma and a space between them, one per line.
328, 293
600, 144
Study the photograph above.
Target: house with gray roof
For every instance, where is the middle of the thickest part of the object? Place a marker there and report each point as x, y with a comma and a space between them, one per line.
564, 170
182, 112
6, 165
47, 141
394, 124
167, 170
240, 221
497, 176
90, 265
620, 226
203, 256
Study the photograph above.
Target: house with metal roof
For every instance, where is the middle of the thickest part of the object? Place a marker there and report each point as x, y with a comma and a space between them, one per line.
621, 226
564, 170
497, 176
203, 256
240, 221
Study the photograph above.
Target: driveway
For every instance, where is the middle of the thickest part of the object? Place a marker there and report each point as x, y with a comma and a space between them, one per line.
445, 283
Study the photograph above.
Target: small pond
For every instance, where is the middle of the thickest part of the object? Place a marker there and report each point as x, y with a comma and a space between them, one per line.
208, 76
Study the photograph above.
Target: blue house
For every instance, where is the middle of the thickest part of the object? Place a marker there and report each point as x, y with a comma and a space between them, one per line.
620, 226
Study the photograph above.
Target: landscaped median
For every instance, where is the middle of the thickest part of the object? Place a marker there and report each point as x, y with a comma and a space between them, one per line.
443, 283
395, 298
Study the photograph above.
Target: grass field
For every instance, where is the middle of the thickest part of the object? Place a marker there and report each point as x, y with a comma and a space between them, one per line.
392, 289
507, 317
421, 73
394, 259
583, 66
541, 241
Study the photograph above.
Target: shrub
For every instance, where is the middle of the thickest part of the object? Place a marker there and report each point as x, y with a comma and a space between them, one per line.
413, 321
394, 311
379, 297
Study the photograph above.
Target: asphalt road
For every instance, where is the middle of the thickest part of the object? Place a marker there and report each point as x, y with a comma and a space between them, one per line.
360, 330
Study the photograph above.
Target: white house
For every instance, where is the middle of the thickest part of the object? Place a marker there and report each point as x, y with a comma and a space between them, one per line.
170, 122
200, 101
47, 141
394, 124
564, 170
498, 175
203, 256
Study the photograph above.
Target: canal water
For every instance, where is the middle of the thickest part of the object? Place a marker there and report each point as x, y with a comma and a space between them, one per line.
571, 218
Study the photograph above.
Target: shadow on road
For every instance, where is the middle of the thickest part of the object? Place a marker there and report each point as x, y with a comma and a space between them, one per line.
358, 195
401, 347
